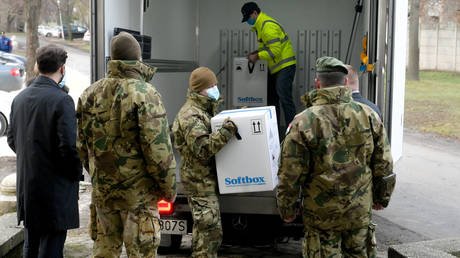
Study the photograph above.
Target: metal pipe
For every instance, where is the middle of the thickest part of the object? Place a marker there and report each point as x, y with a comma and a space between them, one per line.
358, 10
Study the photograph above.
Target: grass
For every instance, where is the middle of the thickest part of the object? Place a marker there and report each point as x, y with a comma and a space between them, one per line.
433, 104
21, 53
85, 47
9, 34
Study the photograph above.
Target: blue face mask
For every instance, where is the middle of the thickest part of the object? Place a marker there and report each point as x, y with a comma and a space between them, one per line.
62, 82
213, 92
252, 22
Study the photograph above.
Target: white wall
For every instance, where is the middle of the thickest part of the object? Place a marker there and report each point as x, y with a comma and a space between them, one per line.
172, 26
399, 78
121, 13
294, 15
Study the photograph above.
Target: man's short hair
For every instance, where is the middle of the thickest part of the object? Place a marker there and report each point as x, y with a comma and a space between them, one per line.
328, 79
50, 58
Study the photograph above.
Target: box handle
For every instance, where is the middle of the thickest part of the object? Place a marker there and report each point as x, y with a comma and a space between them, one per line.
251, 69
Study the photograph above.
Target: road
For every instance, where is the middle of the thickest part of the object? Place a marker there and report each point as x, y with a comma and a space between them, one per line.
424, 204
77, 65
427, 197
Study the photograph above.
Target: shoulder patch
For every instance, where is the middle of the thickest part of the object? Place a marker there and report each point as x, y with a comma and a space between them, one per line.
288, 129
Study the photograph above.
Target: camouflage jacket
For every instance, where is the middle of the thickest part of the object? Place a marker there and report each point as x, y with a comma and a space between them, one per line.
123, 138
332, 153
197, 145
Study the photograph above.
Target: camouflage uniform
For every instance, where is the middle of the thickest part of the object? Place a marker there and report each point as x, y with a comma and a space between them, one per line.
336, 153
124, 143
197, 147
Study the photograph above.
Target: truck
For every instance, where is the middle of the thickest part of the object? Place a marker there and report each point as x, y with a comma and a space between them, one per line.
178, 36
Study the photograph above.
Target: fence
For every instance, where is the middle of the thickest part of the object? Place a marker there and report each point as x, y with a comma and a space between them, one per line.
440, 47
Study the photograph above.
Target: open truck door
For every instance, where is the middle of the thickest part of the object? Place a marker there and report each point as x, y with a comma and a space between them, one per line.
186, 34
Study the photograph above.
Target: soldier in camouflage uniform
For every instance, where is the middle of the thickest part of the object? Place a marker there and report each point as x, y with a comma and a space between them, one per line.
197, 146
123, 141
337, 155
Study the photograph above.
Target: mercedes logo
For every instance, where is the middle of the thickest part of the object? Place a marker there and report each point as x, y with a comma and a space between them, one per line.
240, 223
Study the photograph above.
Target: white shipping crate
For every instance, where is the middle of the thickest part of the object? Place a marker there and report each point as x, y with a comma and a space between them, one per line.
249, 164
249, 87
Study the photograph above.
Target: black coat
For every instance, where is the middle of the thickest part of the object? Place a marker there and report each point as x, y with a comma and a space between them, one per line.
358, 98
43, 134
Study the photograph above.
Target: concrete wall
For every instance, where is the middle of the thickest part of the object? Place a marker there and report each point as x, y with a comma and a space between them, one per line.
440, 47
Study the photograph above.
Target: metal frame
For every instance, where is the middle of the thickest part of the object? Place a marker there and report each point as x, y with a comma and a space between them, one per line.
97, 43
172, 66
372, 49
311, 45
233, 43
380, 54
388, 117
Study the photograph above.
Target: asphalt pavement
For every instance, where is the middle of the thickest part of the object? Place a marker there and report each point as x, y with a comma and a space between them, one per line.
78, 66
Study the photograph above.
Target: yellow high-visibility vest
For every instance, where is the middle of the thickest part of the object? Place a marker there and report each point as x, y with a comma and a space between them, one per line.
274, 43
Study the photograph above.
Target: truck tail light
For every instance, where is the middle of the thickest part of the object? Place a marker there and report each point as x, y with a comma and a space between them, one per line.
165, 208
15, 72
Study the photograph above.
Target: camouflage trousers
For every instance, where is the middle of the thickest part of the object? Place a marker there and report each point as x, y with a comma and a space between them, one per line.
139, 230
207, 227
335, 244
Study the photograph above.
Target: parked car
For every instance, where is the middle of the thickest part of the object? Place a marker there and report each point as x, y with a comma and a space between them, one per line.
49, 31
13, 58
77, 31
87, 36
41, 29
12, 70
5, 108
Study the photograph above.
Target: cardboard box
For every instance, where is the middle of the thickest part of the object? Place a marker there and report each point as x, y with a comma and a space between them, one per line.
249, 86
249, 164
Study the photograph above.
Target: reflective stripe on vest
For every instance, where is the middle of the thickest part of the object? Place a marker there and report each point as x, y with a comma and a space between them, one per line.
269, 52
277, 39
289, 59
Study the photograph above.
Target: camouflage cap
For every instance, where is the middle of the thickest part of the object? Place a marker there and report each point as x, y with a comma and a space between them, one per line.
330, 64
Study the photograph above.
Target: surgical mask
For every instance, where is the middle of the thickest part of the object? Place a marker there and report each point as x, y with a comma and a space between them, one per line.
252, 22
62, 82
213, 92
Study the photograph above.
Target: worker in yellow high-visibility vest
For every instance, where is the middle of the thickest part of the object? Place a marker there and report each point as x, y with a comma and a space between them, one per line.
275, 47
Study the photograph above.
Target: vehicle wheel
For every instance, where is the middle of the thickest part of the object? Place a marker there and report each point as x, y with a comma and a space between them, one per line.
176, 241
3, 124
48, 35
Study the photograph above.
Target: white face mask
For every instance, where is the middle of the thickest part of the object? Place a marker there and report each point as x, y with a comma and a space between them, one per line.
213, 92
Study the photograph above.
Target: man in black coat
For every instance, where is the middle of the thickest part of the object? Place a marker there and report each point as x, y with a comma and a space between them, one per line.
353, 84
43, 135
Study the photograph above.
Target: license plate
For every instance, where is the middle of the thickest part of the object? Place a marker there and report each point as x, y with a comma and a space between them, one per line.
173, 226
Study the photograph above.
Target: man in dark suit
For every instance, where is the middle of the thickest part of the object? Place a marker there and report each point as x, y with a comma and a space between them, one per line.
43, 135
353, 84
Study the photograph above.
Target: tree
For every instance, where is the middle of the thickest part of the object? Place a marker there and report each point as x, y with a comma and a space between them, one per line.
33, 18
14, 13
82, 9
66, 7
49, 12
413, 66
